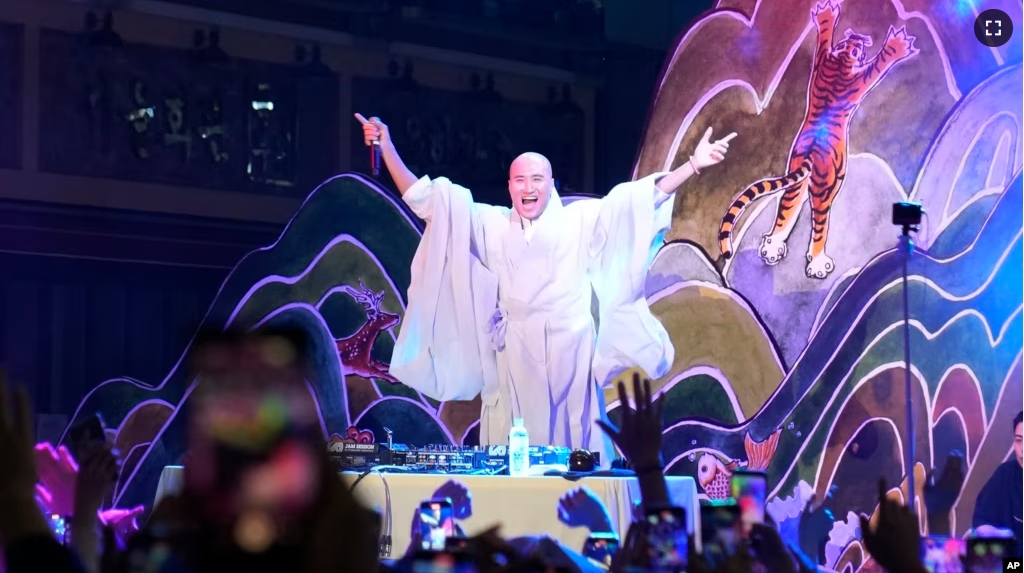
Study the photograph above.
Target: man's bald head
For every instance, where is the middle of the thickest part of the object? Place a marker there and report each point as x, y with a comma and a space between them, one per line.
530, 161
530, 183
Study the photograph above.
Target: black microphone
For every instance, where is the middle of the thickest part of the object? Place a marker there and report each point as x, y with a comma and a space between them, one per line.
375, 159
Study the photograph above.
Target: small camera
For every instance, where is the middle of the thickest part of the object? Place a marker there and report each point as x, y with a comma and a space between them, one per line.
906, 214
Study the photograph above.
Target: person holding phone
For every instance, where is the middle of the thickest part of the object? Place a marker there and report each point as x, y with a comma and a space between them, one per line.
260, 494
998, 506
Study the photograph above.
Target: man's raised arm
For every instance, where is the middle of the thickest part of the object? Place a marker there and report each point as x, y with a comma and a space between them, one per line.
706, 154
375, 132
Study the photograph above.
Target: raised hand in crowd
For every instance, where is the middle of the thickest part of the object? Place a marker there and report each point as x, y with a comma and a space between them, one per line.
634, 549
462, 508
816, 522
581, 508
638, 437
57, 473
458, 493
941, 492
94, 480
343, 534
19, 515
770, 550
895, 540
24, 533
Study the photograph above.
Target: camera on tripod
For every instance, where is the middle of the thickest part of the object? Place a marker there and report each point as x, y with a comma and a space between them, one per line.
907, 214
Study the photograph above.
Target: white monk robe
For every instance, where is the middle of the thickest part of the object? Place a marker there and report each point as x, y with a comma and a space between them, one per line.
501, 306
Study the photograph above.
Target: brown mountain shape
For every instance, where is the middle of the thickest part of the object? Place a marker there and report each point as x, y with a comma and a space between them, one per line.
140, 427
995, 446
711, 327
459, 415
855, 557
914, 95
362, 393
959, 392
882, 396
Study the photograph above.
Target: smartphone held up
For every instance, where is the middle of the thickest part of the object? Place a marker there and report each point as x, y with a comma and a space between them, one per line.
437, 524
750, 490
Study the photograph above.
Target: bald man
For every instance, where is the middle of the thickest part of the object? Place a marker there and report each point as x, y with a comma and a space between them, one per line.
500, 299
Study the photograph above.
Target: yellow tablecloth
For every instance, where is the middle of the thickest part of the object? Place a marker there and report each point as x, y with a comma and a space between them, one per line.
522, 505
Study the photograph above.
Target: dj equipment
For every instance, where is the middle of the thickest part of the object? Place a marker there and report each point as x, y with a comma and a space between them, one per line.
582, 461
348, 456
443, 457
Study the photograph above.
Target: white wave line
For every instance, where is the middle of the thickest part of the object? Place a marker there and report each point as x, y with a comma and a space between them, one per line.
156, 439
853, 436
954, 411
918, 381
981, 446
958, 174
987, 192
340, 288
993, 342
762, 103
819, 315
686, 454
714, 373
974, 379
725, 292
290, 280
913, 278
946, 128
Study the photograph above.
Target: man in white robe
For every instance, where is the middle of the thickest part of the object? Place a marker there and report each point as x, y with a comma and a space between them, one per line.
500, 299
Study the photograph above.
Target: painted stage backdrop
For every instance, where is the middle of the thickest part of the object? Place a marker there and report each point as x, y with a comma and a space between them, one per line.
779, 281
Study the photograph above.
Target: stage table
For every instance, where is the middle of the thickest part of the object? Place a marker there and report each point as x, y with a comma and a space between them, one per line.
524, 505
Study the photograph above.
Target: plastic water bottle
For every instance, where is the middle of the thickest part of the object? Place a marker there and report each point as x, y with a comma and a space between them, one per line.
518, 450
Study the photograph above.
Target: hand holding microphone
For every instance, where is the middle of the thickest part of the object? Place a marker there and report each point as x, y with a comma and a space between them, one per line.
375, 134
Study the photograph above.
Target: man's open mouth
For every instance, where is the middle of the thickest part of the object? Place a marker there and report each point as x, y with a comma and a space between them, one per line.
529, 200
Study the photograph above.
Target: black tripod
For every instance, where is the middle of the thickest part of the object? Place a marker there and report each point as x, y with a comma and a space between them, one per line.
908, 217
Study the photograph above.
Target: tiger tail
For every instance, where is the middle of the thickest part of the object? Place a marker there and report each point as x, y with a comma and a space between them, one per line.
751, 194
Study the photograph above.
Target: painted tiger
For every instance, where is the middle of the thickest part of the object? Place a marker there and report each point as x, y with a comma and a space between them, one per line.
840, 78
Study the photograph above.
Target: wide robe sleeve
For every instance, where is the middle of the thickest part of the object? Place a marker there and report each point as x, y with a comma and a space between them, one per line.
628, 221
443, 348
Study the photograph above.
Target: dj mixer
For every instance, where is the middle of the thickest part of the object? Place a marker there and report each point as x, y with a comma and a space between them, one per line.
436, 457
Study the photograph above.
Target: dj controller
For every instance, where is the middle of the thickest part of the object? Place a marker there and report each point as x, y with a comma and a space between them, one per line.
445, 458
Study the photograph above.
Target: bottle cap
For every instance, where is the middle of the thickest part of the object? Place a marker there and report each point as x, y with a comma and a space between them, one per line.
517, 423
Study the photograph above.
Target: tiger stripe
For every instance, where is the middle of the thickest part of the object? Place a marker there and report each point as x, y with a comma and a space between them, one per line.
753, 193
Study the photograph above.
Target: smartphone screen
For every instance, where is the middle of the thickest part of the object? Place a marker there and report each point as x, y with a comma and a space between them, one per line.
91, 430
436, 523
456, 544
442, 562
943, 554
749, 489
986, 554
59, 528
721, 529
667, 539
601, 547
254, 437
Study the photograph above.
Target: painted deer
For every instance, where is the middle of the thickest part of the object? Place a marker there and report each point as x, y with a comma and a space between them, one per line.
355, 351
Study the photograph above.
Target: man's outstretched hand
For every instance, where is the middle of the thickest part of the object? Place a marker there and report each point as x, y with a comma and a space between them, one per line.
374, 131
638, 436
709, 152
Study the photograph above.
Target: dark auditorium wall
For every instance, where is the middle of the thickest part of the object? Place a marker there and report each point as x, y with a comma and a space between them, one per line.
116, 232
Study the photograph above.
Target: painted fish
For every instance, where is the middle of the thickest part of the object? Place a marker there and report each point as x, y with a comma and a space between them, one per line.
713, 475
